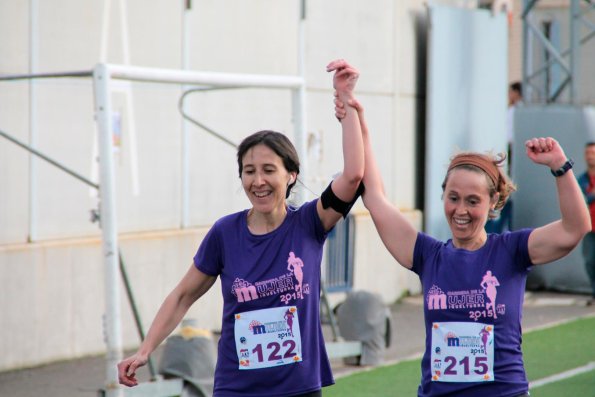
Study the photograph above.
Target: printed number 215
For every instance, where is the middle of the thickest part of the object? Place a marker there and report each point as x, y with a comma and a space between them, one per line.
480, 367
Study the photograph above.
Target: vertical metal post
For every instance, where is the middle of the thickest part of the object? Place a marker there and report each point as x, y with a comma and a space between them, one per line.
107, 194
299, 107
527, 51
575, 43
33, 30
185, 204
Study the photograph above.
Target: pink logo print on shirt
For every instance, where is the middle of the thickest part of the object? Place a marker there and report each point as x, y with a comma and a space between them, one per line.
290, 286
489, 284
436, 298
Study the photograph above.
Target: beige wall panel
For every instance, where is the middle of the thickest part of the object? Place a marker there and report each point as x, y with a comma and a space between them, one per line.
14, 164
65, 129
410, 14
14, 31
243, 36
155, 30
148, 112
68, 34
215, 187
360, 32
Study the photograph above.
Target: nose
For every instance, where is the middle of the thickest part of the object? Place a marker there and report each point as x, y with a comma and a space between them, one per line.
258, 179
461, 208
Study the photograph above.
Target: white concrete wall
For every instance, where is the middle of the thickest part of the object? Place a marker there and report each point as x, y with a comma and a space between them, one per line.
52, 286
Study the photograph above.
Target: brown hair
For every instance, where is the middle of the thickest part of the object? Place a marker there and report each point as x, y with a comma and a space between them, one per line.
491, 167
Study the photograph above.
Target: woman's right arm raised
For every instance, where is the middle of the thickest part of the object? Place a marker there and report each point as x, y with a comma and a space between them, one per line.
396, 232
192, 286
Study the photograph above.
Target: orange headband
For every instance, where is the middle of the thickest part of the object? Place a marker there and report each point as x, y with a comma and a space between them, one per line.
480, 161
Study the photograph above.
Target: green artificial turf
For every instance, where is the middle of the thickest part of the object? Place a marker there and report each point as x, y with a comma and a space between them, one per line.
546, 352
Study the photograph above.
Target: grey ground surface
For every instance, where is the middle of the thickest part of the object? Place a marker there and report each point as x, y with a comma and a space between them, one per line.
83, 377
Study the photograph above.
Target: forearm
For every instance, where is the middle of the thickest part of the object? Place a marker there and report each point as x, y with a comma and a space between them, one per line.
575, 215
372, 177
353, 155
171, 312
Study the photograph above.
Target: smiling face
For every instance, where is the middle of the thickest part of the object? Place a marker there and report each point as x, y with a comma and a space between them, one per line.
265, 179
466, 206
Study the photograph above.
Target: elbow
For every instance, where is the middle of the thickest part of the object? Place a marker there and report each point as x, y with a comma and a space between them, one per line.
585, 226
355, 179
578, 235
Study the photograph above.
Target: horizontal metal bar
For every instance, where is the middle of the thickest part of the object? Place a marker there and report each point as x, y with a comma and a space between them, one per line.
198, 123
137, 73
81, 73
343, 349
160, 388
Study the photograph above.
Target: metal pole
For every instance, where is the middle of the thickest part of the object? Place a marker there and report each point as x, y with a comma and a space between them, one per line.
113, 334
299, 107
32, 119
574, 50
185, 221
527, 51
135, 313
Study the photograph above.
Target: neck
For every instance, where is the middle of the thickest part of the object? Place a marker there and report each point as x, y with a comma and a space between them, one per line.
262, 223
471, 245
591, 169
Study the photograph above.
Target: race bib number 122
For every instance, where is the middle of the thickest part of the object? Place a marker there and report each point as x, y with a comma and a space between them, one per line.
268, 337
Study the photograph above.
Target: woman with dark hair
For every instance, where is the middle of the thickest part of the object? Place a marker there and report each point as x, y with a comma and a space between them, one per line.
474, 283
268, 258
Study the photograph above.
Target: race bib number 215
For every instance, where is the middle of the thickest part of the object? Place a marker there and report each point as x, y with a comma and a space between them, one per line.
462, 352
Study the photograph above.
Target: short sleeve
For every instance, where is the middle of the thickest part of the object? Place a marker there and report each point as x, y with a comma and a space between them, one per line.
425, 247
209, 257
517, 243
312, 220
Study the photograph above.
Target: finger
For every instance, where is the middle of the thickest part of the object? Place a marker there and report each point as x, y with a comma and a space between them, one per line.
131, 370
349, 72
336, 64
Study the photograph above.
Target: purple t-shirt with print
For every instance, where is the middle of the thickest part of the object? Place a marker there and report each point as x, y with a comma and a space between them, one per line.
476, 299
274, 270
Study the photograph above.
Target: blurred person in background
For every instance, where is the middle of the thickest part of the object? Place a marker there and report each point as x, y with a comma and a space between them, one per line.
587, 183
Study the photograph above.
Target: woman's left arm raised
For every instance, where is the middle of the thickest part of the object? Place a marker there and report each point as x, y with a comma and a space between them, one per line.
556, 239
346, 184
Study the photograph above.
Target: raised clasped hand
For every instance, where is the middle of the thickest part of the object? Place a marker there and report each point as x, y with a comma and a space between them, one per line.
345, 77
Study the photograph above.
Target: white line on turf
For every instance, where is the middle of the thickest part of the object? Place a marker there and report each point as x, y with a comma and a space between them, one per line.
562, 375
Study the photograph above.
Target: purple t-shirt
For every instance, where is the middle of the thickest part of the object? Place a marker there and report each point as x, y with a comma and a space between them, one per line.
277, 269
470, 288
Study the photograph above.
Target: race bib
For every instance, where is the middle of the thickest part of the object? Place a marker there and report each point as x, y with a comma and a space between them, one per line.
462, 352
268, 337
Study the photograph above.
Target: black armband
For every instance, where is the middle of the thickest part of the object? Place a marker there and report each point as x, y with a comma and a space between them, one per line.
329, 199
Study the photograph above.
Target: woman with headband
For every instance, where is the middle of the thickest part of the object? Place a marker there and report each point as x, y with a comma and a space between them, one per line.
474, 283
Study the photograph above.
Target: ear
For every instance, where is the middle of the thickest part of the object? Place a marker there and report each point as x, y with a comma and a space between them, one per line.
292, 178
494, 201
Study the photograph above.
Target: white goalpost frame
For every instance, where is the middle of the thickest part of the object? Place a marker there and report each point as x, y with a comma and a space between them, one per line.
103, 74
